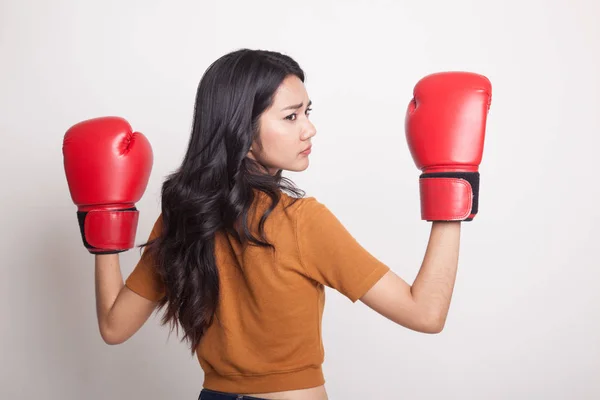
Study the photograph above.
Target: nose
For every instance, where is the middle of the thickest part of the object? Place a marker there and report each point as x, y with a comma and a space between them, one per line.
308, 131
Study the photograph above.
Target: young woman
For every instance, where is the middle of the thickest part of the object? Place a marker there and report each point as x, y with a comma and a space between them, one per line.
238, 256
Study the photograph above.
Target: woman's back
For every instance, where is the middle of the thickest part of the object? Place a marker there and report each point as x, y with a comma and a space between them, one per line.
266, 333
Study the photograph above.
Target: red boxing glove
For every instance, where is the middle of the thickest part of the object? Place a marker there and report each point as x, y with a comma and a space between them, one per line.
107, 167
445, 129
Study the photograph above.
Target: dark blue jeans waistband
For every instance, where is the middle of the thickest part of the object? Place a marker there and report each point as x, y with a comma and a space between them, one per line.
206, 394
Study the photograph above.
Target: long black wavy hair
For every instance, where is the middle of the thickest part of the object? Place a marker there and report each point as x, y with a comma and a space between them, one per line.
215, 185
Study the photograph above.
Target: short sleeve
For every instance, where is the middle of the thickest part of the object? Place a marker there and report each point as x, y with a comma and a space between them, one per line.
144, 279
331, 255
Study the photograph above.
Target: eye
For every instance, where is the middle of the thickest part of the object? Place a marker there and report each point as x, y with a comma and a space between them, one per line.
292, 117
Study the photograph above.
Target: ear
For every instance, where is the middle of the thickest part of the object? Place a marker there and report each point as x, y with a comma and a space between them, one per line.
254, 148
251, 153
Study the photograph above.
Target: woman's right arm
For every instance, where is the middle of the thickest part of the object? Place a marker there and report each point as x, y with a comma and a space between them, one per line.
424, 306
120, 311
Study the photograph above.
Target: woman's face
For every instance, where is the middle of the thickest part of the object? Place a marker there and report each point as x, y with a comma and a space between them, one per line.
285, 131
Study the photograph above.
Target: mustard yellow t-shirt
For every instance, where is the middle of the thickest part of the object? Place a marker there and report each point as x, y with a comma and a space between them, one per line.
266, 334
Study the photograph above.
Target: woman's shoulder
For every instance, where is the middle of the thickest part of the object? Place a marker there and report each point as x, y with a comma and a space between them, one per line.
305, 208
291, 207
298, 203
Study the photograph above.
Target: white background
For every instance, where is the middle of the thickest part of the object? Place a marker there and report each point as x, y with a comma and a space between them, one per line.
525, 317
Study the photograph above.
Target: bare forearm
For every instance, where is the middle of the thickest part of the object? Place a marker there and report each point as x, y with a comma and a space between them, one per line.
109, 283
434, 284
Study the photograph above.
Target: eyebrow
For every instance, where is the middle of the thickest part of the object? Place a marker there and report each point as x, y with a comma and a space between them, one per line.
296, 106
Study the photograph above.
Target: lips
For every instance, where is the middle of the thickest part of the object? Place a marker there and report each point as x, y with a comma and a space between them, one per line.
307, 150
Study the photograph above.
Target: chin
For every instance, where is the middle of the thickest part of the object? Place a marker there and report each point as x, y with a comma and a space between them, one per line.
298, 168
